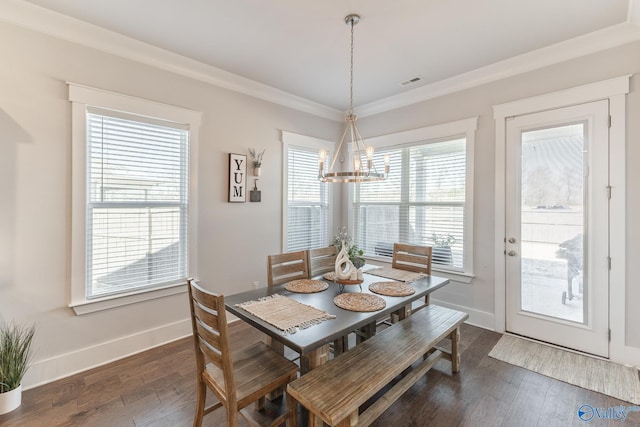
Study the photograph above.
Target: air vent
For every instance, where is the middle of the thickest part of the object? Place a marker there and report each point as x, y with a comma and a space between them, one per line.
411, 81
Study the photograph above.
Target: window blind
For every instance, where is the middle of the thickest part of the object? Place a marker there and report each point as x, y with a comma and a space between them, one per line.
307, 201
137, 202
422, 202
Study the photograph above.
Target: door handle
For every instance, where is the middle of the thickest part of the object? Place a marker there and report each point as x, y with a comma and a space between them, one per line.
512, 239
511, 253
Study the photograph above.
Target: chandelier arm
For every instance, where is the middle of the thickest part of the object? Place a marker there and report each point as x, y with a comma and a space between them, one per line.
337, 153
361, 139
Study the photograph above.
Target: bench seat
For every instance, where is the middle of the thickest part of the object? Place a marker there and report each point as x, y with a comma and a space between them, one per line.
334, 391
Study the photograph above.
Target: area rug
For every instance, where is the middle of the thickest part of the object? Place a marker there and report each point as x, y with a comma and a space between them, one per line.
285, 313
604, 377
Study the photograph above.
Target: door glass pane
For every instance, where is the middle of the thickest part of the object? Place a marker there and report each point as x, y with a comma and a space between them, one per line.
552, 222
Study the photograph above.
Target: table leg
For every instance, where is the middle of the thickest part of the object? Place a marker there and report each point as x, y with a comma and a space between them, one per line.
317, 357
279, 348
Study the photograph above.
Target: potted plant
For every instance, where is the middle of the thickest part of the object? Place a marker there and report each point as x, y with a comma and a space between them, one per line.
256, 159
15, 355
442, 248
355, 253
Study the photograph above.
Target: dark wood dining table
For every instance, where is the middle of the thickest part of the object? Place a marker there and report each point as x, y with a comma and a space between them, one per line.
313, 342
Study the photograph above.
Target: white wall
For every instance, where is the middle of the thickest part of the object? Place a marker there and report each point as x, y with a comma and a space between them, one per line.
479, 294
35, 203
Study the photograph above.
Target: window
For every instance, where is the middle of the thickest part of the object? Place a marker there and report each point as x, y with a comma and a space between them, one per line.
427, 198
307, 218
133, 197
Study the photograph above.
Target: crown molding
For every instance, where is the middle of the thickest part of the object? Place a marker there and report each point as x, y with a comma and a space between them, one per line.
51, 23
596, 41
63, 27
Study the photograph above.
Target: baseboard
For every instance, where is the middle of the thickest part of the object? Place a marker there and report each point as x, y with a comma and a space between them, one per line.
64, 365
481, 319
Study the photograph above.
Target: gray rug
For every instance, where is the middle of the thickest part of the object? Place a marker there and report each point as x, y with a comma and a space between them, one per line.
604, 377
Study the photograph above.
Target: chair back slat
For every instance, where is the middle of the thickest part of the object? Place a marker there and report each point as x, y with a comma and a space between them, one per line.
210, 337
412, 258
322, 260
285, 267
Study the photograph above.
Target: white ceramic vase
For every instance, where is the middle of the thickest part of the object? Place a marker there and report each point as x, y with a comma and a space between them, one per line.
256, 171
343, 259
10, 400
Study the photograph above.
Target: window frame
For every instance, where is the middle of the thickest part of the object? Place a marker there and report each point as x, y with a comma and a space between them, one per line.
433, 134
81, 98
297, 140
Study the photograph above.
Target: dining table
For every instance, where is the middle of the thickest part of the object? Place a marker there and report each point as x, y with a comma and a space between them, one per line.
312, 343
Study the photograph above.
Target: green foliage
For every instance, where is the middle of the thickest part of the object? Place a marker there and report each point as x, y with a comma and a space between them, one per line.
256, 157
15, 354
354, 252
442, 240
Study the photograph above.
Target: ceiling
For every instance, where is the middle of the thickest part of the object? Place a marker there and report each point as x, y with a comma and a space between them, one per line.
302, 47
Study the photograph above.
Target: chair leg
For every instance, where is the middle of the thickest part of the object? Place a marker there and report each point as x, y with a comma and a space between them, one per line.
291, 406
201, 395
232, 416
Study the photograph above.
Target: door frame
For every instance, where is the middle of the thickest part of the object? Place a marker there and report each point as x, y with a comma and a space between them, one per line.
615, 91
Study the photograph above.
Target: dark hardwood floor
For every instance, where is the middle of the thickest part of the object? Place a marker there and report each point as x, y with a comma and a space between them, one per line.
157, 388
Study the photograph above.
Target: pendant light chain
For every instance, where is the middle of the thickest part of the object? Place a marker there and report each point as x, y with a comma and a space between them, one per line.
351, 73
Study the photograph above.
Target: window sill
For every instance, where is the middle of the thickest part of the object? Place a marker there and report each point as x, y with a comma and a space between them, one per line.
106, 303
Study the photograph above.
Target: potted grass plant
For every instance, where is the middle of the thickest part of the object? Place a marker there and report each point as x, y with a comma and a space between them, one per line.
15, 356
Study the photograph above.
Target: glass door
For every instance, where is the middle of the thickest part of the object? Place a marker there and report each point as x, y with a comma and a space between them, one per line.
557, 227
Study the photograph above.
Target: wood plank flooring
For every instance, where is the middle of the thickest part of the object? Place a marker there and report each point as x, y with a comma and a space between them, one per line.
157, 388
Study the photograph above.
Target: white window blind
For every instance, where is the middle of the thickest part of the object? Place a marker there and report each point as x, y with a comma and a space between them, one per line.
137, 202
307, 201
422, 202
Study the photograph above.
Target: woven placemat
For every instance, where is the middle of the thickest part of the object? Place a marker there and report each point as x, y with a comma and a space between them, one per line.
285, 313
396, 274
330, 275
359, 302
392, 289
306, 286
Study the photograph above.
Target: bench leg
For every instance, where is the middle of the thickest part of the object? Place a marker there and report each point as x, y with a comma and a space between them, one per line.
455, 350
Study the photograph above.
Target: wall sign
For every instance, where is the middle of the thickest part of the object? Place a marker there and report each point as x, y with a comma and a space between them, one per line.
237, 178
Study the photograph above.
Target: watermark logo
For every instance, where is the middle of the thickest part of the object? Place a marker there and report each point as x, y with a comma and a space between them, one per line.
587, 413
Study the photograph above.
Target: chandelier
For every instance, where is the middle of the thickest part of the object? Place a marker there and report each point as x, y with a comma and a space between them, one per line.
361, 167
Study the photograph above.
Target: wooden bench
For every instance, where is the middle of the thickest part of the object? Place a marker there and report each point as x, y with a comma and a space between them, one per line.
334, 392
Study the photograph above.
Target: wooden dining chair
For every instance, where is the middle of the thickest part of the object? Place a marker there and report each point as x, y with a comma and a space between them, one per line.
282, 268
237, 379
322, 260
413, 258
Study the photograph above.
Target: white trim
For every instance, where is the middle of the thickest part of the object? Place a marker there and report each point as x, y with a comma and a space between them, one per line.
466, 127
91, 306
54, 24
607, 38
82, 33
81, 97
615, 91
618, 304
295, 139
63, 365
